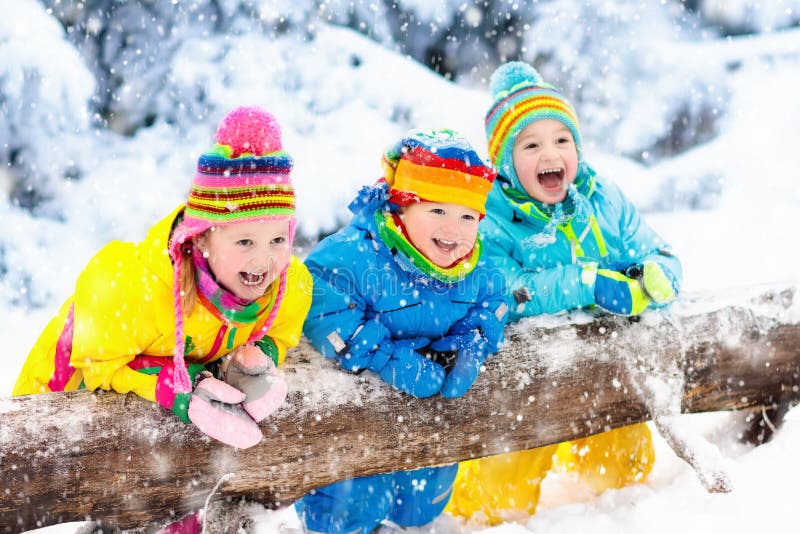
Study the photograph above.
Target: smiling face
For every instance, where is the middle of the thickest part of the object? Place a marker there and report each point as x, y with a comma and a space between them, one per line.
442, 232
546, 160
246, 257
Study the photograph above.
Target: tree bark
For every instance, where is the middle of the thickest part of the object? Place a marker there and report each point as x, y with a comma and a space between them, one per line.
128, 463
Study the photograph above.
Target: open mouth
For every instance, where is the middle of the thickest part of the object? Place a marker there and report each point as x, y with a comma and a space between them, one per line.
445, 245
551, 179
252, 279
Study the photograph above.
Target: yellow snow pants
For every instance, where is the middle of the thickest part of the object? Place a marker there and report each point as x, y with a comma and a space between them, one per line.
507, 487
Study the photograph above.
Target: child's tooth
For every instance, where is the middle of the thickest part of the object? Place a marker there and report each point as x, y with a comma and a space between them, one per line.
250, 279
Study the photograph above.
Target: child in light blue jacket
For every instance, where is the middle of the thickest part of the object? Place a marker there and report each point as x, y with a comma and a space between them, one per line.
566, 238
406, 277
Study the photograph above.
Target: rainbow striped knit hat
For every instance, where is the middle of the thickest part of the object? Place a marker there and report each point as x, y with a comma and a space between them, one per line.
520, 97
243, 178
437, 166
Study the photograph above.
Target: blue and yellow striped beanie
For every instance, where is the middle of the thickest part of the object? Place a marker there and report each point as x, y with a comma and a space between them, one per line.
519, 97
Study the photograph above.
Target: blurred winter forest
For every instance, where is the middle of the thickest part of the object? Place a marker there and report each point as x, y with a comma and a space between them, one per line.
107, 103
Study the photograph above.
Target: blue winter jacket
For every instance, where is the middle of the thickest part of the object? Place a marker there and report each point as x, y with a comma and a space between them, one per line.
545, 257
361, 285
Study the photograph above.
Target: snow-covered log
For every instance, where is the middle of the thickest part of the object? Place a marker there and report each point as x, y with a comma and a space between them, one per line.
128, 463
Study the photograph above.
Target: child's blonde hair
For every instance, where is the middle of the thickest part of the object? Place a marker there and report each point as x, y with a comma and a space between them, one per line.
188, 287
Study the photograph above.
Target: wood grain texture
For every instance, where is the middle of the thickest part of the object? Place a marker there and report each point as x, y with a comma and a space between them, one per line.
129, 463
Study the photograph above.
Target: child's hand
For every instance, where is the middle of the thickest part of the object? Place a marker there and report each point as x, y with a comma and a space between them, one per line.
472, 350
251, 371
619, 294
368, 348
215, 408
410, 371
489, 323
658, 282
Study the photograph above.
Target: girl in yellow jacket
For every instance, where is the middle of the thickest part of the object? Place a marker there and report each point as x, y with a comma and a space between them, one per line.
213, 279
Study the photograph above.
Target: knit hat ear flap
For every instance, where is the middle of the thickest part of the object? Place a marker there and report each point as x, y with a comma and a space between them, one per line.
519, 97
181, 381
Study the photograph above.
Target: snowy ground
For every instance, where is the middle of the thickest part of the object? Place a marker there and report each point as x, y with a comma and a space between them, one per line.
672, 500
743, 233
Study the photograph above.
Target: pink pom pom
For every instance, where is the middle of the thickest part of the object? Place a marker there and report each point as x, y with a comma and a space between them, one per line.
249, 129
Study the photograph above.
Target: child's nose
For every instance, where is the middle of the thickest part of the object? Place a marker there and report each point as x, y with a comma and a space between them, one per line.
548, 152
260, 260
451, 226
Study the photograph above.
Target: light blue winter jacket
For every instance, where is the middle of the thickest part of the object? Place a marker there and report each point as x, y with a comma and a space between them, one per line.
363, 287
545, 253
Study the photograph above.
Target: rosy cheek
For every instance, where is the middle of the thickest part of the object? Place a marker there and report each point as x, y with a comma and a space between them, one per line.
282, 259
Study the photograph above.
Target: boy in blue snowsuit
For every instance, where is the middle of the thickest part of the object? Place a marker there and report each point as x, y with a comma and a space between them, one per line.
566, 239
406, 276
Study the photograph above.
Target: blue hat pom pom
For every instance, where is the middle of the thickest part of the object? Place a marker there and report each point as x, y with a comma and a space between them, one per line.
511, 74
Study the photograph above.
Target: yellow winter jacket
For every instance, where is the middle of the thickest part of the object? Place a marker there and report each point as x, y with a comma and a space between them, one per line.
122, 308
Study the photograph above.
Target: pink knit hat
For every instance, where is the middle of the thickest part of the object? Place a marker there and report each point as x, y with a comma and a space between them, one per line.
243, 178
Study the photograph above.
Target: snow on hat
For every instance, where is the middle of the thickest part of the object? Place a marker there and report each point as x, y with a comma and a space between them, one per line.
243, 178
437, 166
519, 97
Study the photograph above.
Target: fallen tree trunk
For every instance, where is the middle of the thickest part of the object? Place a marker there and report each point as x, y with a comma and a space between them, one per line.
128, 463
